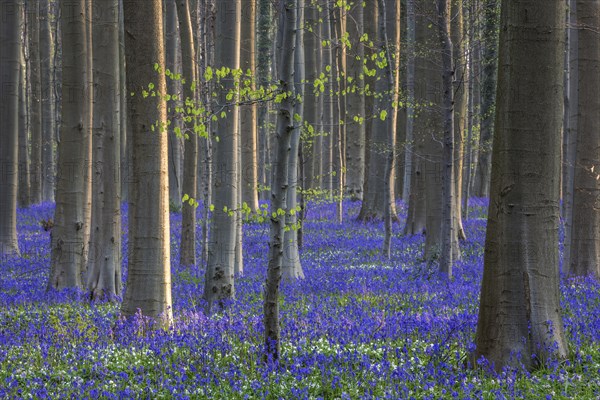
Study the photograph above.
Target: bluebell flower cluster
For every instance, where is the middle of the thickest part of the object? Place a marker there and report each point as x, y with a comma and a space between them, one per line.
359, 326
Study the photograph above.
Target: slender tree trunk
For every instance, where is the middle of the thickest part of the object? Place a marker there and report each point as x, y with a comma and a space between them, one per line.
355, 129
173, 45
312, 46
219, 282
24, 188
585, 236
410, 100
291, 267
10, 55
35, 83
449, 224
488, 95
385, 46
249, 114
570, 139
104, 264
279, 185
149, 268
519, 315
461, 92
68, 234
48, 47
329, 100
190, 169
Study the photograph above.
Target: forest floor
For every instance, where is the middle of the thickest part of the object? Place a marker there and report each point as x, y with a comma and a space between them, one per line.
356, 327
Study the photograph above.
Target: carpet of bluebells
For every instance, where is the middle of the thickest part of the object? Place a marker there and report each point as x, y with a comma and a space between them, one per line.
356, 327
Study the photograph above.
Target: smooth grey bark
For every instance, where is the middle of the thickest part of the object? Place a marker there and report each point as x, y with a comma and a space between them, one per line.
460, 81
355, 105
328, 125
391, 99
47, 49
219, 281
24, 186
125, 132
585, 235
290, 264
103, 276
249, 113
286, 40
519, 316
488, 94
206, 48
449, 211
312, 101
10, 56
187, 255
35, 107
338, 133
410, 100
149, 268
570, 136
175, 142
69, 246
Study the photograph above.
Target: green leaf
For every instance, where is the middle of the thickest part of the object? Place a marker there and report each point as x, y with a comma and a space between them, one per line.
185, 198
383, 115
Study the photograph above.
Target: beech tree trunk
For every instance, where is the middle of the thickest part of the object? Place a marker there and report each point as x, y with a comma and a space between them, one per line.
355, 106
35, 111
279, 185
149, 267
68, 234
291, 267
103, 278
585, 236
519, 316
187, 248
10, 56
219, 281
48, 47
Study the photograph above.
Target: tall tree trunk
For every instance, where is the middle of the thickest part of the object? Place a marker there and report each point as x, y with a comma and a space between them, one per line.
219, 282
410, 100
188, 56
570, 136
149, 267
392, 100
355, 129
249, 114
24, 187
312, 102
35, 113
338, 137
488, 96
519, 315
329, 100
461, 93
291, 267
449, 218
279, 185
10, 55
47, 48
585, 236
173, 45
68, 234
104, 263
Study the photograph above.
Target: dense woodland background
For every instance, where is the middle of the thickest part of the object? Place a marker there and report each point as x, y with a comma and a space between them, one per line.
154, 148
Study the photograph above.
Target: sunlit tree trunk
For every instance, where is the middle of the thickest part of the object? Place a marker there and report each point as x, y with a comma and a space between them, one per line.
312, 102
149, 267
24, 187
248, 118
10, 56
187, 254
103, 278
519, 315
